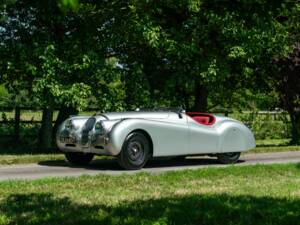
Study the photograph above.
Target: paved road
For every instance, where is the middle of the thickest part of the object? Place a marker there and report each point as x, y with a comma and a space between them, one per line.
61, 168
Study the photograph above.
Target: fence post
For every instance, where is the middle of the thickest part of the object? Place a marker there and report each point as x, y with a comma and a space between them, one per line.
17, 123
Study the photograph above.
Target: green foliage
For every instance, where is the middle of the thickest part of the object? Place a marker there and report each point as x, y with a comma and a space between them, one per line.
242, 99
165, 48
3, 95
68, 4
60, 59
49, 80
266, 126
118, 55
209, 42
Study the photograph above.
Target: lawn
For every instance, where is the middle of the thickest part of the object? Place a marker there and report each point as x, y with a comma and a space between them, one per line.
262, 194
274, 145
7, 159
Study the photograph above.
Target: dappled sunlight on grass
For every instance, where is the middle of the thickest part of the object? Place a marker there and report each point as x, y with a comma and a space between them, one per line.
273, 142
185, 209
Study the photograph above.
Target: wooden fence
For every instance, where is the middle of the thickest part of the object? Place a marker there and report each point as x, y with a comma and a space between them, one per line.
16, 121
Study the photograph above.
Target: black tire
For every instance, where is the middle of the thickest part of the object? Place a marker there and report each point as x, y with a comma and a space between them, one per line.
228, 158
79, 158
135, 151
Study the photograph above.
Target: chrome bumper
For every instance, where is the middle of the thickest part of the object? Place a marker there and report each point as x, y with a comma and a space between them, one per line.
72, 142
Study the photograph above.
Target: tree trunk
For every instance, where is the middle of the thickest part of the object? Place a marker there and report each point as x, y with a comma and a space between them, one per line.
17, 124
297, 139
295, 121
45, 133
201, 94
63, 114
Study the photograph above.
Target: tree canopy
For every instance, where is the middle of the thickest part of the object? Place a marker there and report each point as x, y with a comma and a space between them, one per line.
140, 53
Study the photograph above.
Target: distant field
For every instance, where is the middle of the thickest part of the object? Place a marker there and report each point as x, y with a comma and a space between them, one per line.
28, 115
262, 194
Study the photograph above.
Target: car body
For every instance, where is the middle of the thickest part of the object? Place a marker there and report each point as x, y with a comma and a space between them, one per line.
161, 133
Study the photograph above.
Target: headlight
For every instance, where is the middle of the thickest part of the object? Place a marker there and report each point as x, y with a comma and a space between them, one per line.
99, 128
69, 125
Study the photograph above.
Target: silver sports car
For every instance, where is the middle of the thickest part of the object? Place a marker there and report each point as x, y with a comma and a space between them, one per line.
134, 137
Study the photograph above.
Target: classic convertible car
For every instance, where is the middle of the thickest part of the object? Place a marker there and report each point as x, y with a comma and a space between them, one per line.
134, 137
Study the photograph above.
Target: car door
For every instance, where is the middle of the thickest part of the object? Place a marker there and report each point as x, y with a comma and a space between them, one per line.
170, 137
202, 138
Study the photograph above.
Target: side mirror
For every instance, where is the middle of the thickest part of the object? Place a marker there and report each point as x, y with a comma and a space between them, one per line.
180, 112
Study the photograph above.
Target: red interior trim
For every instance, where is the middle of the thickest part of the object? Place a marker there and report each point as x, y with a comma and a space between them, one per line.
202, 118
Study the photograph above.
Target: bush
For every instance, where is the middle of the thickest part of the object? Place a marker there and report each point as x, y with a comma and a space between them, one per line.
265, 125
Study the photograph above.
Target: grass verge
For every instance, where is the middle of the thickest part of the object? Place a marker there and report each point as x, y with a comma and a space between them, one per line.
270, 149
262, 194
274, 145
28, 158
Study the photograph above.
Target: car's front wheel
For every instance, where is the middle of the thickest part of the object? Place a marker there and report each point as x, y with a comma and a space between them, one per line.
79, 158
135, 151
229, 157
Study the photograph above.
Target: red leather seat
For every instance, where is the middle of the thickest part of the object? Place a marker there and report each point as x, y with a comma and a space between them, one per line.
202, 119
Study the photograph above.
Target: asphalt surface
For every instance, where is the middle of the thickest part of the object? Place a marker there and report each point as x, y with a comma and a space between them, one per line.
61, 168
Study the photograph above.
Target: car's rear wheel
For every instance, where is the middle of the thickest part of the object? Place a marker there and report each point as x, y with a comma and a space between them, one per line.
79, 158
230, 157
135, 151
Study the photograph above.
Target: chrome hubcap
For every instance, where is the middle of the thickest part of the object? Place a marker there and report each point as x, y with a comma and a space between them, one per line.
135, 150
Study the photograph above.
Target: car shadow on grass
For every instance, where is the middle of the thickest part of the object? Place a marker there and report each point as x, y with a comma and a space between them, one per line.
112, 164
44, 208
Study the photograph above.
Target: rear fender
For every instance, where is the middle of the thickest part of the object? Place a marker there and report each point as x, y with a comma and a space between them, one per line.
235, 137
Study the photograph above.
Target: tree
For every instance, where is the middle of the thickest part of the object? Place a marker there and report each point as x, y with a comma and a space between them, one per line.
285, 69
60, 56
287, 83
127, 54
185, 49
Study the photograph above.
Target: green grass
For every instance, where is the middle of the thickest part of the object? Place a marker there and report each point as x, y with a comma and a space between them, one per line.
268, 149
262, 194
28, 158
273, 142
274, 145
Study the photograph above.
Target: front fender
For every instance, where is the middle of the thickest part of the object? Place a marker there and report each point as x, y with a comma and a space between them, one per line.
120, 131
